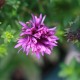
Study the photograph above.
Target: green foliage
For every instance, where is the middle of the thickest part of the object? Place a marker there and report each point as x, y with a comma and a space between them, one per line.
71, 71
3, 50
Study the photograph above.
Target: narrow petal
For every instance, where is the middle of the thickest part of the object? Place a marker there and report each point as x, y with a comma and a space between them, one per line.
37, 35
23, 24
40, 19
48, 51
40, 16
22, 34
19, 50
53, 44
21, 40
27, 52
55, 37
38, 55
34, 40
18, 45
52, 29
37, 20
42, 53
33, 18
43, 19
43, 48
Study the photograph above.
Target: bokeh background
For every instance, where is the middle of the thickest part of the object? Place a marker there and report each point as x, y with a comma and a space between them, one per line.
63, 63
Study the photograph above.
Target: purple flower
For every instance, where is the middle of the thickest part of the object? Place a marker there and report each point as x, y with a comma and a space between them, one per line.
37, 37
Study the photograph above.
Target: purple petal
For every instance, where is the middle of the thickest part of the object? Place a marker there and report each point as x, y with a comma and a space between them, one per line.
42, 53
38, 55
33, 18
43, 19
40, 16
27, 52
21, 40
53, 44
22, 24
34, 40
48, 51
52, 29
22, 34
18, 45
37, 35
43, 48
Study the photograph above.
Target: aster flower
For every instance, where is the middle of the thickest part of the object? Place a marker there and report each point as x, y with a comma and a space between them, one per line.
37, 37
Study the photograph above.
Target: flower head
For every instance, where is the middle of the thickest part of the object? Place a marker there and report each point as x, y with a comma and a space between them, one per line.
37, 36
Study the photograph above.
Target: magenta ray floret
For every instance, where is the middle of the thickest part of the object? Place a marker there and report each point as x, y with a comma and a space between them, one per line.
37, 37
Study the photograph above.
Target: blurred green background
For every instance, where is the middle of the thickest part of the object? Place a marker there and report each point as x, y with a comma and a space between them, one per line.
63, 14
